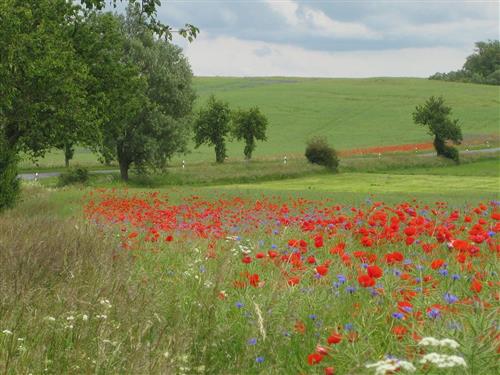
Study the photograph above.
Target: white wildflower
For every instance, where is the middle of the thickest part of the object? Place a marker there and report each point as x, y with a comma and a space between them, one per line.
443, 360
50, 318
428, 341
105, 303
390, 365
70, 318
446, 343
85, 317
452, 344
103, 317
7, 332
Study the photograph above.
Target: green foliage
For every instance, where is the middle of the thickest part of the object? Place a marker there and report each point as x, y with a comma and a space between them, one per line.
212, 126
249, 126
435, 115
149, 8
483, 66
149, 96
77, 175
9, 183
42, 78
319, 152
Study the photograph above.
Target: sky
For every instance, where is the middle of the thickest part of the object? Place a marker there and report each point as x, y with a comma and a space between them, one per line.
330, 38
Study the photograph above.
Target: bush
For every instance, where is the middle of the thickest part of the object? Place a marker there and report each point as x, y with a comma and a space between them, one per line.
319, 152
77, 175
9, 183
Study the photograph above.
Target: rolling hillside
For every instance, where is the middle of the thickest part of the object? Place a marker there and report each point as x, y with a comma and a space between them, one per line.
351, 113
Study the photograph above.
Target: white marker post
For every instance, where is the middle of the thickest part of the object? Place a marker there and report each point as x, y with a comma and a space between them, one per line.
183, 164
284, 160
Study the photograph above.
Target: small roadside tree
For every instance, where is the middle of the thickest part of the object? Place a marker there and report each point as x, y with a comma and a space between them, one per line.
212, 126
435, 115
249, 126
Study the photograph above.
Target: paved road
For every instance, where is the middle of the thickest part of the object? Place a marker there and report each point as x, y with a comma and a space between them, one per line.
31, 176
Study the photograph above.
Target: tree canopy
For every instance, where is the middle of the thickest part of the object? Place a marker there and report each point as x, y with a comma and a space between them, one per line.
70, 74
250, 126
483, 66
435, 115
212, 126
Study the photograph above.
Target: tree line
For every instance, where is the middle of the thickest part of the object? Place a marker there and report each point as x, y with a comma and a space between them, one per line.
483, 66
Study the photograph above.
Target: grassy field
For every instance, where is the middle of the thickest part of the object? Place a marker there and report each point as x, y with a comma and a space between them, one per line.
98, 295
261, 267
350, 113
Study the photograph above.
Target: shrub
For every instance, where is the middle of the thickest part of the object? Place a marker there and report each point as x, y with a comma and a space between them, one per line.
9, 183
319, 152
78, 175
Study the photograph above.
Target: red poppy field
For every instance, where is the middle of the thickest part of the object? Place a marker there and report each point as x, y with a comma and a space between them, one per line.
296, 286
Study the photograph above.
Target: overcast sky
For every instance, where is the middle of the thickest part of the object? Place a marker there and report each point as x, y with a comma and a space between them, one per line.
330, 38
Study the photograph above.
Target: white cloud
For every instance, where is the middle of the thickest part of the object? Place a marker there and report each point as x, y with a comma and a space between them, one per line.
229, 56
314, 21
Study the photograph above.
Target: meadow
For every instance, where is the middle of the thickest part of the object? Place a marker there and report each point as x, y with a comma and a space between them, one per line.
313, 274
389, 266
350, 113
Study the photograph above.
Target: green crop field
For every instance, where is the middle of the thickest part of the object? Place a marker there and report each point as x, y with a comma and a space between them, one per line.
350, 113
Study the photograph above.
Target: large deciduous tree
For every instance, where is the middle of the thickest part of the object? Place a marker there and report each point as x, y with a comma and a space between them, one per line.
435, 115
57, 74
42, 80
152, 106
250, 126
212, 126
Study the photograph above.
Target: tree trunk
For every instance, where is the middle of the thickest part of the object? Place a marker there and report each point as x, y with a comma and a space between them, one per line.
124, 170
69, 151
123, 162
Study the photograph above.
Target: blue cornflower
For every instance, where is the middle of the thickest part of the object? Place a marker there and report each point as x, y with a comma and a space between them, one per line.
350, 289
397, 315
443, 272
450, 298
252, 341
259, 359
348, 326
364, 265
239, 305
434, 313
455, 276
313, 316
341, 278
491, 233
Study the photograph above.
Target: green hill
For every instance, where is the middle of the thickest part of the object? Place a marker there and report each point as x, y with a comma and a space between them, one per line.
351, 113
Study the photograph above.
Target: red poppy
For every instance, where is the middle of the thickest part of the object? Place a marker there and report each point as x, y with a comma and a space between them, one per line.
322, 270
329, 370
366, 281
375, 271
399, 331
314, 358
476, 285
253, 280
293, 281
437, 264
334, 338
